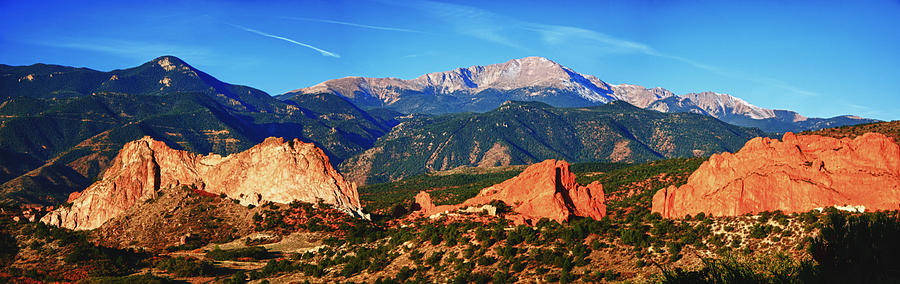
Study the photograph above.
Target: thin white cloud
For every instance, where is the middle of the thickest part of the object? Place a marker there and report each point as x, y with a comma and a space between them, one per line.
322, 51
505, 30
564, 35
471, 21
864, 111
372, 27
138, 51
771, 82
126, 48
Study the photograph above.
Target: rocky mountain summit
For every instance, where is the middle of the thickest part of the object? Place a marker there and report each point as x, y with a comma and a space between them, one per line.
796, 174
274, 170
736, 111
544, 190
476, 88
482, 88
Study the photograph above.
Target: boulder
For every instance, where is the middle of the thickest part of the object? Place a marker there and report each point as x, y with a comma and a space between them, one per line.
273, 170
797, 174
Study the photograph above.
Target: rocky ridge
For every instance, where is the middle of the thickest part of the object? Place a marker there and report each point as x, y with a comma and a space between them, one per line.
544, 190
797, 174
482, 88
510, 75
273, 170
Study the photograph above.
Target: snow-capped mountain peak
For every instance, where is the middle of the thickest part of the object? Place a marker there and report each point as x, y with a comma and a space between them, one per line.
482, 88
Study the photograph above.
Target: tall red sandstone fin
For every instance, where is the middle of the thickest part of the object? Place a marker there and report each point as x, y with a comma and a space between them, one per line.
273, 170
427, 207
543, 190
796, 174
589, 201
423, 199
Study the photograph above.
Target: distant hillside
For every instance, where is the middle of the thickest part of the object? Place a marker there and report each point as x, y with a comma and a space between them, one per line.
527, 132
889, 129
64, 124
483, 88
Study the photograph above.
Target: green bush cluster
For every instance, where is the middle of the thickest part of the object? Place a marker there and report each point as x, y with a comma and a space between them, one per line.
75, 248
130, 279
778, 268
858, 247
758, 231
233, 254
850, 248
186, 267
274, 267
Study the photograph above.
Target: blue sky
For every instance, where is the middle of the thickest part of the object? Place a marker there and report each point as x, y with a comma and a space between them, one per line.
819, 58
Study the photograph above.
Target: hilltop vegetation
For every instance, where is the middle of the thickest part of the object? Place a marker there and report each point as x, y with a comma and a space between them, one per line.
888, 128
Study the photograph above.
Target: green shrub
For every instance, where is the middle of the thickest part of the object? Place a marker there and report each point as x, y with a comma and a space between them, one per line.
237, 278
758, 231
486, 260
767, 269
275, 267
435, 258
502, 208
8, 248
233, 254
186, 267
415, 255
131, 279
633, 237
858, 247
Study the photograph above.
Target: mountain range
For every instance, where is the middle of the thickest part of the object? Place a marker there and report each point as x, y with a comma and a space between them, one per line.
519, 133
104, 177
482, 88
61, 126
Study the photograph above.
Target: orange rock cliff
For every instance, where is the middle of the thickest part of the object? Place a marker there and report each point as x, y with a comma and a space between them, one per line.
797, 174
546, 189
273, 170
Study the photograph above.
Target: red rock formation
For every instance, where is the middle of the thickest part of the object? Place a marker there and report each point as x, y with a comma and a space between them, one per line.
423, 199
73, 196
547, 189
274, 171
796, 174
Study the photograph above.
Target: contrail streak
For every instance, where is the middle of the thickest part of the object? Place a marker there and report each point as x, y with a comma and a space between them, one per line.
355, 25
322, 51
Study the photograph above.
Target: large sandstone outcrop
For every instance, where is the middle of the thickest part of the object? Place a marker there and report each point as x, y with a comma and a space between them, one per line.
797, 174
546, 189
274, 170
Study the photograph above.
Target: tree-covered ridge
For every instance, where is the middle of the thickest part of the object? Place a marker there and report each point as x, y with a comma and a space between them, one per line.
165, 74
888, 128
528, 132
